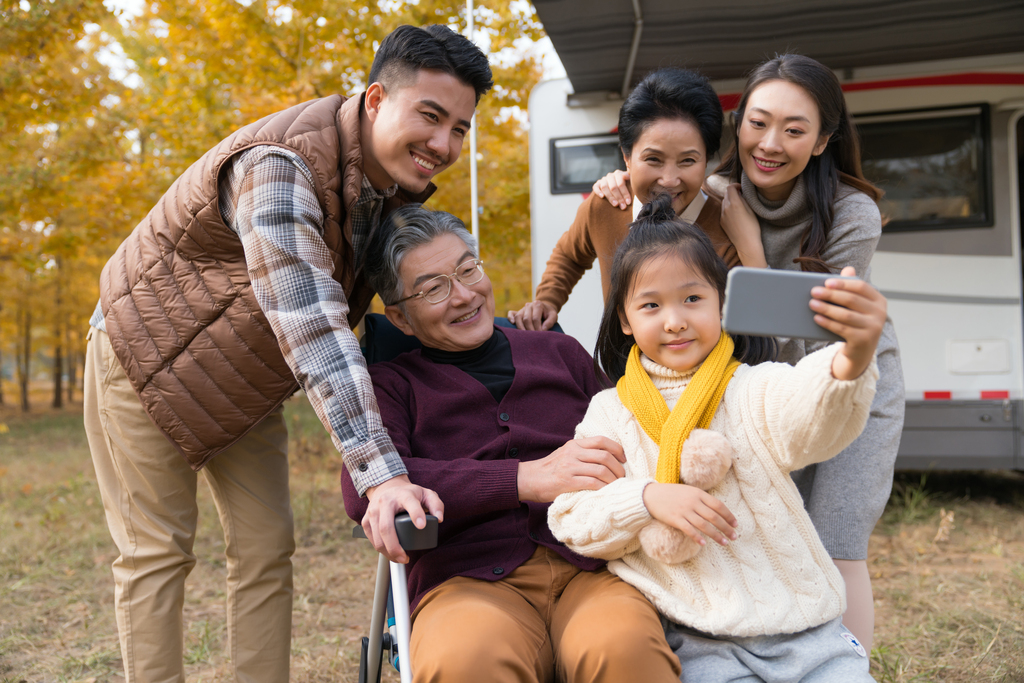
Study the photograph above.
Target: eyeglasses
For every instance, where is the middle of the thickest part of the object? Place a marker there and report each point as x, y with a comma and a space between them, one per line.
437, 289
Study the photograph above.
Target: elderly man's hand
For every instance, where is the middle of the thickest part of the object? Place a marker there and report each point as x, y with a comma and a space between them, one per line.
387, 500
580, 465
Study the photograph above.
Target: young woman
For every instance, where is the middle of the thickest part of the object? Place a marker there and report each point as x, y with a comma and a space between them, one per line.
669, 126
764, 602
794, 197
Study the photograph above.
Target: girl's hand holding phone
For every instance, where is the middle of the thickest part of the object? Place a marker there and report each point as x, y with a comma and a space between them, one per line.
855, 311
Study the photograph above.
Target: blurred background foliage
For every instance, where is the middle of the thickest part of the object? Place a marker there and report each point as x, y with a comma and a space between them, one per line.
102, 109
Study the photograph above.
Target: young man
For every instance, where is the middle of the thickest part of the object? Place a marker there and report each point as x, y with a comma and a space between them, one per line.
239, 287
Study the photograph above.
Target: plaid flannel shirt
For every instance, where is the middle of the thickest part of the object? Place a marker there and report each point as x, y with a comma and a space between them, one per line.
267, 196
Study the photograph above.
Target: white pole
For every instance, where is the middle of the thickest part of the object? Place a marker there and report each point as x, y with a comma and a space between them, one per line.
474, 201
400, 593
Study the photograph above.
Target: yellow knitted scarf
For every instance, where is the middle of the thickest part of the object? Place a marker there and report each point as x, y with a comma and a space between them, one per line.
694, 409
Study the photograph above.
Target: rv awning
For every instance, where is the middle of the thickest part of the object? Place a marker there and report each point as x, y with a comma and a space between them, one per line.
726, 38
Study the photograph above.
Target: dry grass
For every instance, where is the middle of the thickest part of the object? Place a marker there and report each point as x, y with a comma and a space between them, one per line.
948, 610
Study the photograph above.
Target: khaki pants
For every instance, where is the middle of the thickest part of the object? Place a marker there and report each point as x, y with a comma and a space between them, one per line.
545, 621
149, 497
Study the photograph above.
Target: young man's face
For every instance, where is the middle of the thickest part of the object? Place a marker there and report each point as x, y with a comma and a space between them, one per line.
417, 130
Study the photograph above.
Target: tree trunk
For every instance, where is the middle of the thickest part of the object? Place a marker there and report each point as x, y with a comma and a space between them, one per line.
25, 358
58, 376
58, 351
72, 365
1, 367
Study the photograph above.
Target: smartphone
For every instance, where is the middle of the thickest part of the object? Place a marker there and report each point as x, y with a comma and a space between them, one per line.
773, 303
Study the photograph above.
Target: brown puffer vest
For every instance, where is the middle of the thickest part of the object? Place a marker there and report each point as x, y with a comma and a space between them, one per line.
177, 301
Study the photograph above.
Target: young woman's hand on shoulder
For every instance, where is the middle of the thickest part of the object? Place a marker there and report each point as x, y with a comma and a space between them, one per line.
615, 189
742, 227
855, 311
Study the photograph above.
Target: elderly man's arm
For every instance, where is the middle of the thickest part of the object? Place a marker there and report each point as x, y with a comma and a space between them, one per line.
474, 486
268, 198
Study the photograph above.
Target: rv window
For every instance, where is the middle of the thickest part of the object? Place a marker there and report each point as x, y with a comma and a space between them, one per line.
577, 163
933, 166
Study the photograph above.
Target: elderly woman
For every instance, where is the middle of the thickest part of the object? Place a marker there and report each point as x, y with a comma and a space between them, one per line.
485, 416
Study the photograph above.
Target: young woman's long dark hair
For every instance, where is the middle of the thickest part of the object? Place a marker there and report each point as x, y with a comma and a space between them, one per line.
659, 231
839, 162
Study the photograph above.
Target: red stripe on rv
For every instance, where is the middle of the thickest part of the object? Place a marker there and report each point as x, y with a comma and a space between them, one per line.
938, 395
729, 101
979, 78
732, 100
993, 395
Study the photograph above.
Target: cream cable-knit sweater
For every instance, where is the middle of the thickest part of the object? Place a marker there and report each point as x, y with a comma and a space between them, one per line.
777, 577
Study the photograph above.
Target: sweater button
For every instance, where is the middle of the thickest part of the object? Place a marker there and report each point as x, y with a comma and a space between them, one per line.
498, 571
513, 451
504, 417
533, 535
363, 467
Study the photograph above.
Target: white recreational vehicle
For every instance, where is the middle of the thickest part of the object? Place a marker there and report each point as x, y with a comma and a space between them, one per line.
942, 126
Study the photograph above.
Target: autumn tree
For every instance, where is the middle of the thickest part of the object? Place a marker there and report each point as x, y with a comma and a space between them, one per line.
89, 154
207, 68
56, 134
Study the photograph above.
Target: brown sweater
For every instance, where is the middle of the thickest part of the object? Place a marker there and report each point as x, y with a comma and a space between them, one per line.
597, 232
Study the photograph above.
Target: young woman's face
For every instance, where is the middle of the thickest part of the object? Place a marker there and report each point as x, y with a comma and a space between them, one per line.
778, 135
673, 313
669, 156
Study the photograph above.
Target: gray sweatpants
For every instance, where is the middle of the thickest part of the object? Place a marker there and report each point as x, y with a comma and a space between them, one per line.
824, 654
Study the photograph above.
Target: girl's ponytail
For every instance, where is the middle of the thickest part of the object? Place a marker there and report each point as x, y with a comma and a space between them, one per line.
657, 210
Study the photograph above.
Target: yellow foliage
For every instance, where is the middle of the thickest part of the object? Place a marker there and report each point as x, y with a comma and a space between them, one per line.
87, 155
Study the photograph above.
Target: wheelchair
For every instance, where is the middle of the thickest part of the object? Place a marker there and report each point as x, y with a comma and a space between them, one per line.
391, 601
382, 341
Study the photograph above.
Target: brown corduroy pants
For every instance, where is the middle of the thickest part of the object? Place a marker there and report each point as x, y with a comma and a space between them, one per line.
546, 621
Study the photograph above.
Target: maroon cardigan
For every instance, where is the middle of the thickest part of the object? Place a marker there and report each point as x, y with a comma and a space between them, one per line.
457, 440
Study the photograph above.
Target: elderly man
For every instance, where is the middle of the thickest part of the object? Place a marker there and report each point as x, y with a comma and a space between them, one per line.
235, 290
484, 416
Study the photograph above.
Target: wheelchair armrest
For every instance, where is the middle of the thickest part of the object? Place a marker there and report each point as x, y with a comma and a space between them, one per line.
409, 536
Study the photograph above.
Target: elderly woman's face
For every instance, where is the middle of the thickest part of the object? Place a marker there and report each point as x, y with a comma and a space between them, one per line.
669, 156
464, 320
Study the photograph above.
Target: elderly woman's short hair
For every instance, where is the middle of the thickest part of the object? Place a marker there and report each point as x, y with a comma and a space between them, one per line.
405, 229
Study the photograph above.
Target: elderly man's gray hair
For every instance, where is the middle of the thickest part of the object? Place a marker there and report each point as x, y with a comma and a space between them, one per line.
407, 228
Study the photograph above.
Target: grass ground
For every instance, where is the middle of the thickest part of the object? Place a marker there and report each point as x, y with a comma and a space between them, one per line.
947, 562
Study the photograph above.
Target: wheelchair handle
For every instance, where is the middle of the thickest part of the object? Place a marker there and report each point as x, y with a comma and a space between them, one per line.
409, 536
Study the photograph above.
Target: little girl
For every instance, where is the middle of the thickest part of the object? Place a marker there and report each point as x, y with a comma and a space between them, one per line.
766, 600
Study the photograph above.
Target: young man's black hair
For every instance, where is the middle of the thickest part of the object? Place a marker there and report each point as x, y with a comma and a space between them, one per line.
411, 48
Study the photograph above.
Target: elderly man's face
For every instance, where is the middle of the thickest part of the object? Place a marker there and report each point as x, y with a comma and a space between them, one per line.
464, 320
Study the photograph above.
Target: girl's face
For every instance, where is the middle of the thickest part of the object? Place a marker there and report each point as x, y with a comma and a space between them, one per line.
673, 313
778, 135
669, 156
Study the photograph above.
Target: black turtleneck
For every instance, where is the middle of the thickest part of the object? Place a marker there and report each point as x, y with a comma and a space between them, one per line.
490, 363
